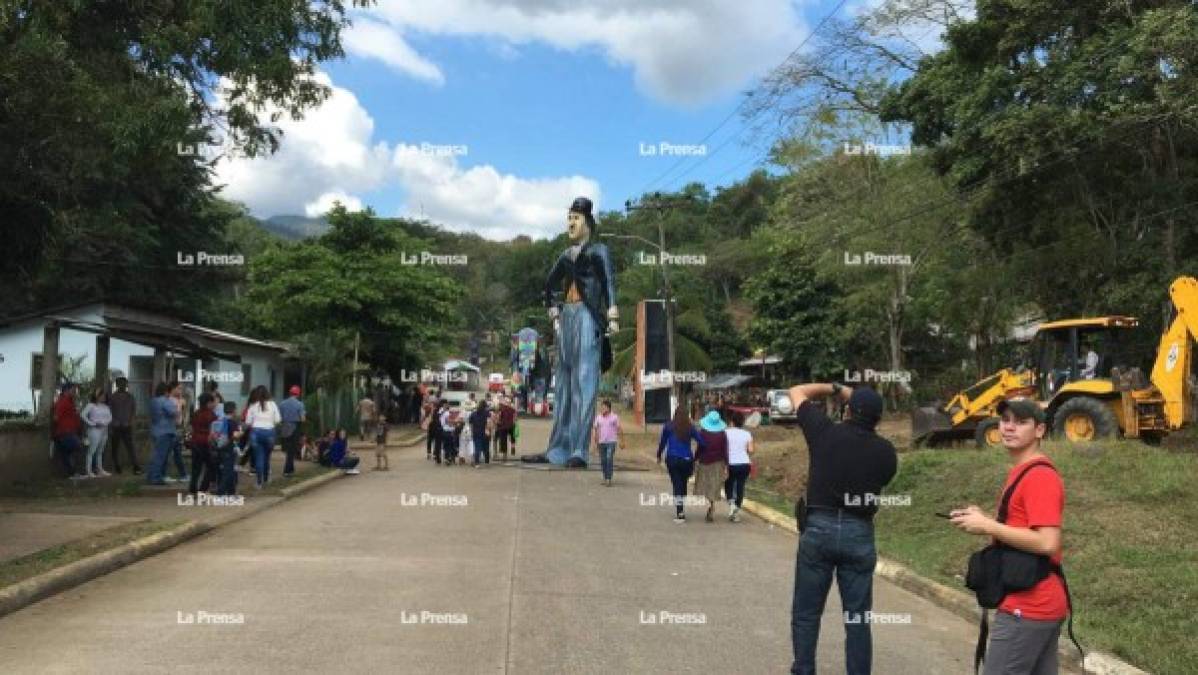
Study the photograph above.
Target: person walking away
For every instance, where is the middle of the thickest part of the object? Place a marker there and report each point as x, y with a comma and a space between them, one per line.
96, 416
437, 425
676, 438
292, 412
506, 426
1027, 623
478, 432
427, 422
448, 434
340, 456
740, 463
163, 432
261, 420
849, 465
203, 459
181, 425
225, 443
711, 461
606, 434
465, 438
381, 462
120, 432
366, 415
66, 430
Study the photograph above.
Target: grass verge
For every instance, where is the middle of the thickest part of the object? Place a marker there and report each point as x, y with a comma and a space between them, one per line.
1130, 551
19, 569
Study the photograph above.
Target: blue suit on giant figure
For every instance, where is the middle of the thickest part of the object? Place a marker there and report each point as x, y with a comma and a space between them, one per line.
580, 293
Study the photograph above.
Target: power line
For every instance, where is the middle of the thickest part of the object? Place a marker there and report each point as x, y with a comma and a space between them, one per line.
742, 104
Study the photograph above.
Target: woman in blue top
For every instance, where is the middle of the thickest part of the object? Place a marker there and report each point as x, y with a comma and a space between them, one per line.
676, 438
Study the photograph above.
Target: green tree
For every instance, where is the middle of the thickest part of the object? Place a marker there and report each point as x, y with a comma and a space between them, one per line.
98, 97
354, 278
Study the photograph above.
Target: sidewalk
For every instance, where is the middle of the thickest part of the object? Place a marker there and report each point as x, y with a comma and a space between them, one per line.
73, 510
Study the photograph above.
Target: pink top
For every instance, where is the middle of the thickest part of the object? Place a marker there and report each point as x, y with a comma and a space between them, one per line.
606, 428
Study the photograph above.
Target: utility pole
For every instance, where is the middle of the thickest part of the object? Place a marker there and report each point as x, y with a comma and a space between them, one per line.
660, 205
354, 375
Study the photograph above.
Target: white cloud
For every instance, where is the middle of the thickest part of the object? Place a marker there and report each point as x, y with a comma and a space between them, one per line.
481, 199
328, 149
680, 52
371, 39
322, 204
331, 155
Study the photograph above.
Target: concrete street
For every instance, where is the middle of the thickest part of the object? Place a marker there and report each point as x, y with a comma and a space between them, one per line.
428, 569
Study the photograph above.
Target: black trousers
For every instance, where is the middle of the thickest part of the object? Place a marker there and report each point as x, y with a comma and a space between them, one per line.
438, 442
118, 436
504, 435
680, 471
202, 459
734, 487
290, 450
429, 438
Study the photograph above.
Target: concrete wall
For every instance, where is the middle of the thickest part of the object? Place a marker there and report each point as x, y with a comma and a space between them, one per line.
25, 455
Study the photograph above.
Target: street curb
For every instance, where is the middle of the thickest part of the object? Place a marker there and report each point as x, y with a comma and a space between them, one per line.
42, 586
300, 488
68, 576
958, 602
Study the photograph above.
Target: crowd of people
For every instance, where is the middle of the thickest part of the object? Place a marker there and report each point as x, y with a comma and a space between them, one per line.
717, 452
221, 441
470, 433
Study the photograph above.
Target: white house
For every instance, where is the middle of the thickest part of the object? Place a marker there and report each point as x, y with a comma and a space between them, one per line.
146, 347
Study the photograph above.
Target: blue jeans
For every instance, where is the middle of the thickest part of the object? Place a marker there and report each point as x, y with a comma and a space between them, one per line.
262, 441
580, 347
162, 449
833, 541
607, 454
482, 449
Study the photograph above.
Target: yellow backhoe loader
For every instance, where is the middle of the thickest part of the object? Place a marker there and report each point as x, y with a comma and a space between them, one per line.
1087, 385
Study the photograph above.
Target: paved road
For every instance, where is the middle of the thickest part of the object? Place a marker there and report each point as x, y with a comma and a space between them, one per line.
537, 572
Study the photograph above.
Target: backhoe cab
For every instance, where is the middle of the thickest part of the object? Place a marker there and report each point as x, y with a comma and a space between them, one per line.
1085, 374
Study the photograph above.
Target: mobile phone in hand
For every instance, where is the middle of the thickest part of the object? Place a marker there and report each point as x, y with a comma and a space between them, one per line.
942, 515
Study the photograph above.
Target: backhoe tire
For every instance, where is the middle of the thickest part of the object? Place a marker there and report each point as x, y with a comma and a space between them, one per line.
1084, 419
987, 434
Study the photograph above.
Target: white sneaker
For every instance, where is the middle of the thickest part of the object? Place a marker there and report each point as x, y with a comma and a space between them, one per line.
352, 472
89, 474
104, 474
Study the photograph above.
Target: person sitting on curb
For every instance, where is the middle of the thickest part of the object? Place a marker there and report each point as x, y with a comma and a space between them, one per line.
340, 457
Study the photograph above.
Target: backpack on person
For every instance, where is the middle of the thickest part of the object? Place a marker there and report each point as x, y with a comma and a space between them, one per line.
218, 434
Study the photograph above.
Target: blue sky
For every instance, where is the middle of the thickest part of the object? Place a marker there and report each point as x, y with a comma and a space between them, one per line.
544, 99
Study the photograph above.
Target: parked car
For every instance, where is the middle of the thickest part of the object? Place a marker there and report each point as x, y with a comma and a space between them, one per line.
782, 411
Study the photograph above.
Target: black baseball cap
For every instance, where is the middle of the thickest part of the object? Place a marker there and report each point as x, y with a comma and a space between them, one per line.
1023, 408
866, 406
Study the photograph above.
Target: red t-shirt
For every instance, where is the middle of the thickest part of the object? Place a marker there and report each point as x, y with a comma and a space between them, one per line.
66, 418
1038, 501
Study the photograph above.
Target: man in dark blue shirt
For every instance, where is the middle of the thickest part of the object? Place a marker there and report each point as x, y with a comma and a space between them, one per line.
849, 465
292, 413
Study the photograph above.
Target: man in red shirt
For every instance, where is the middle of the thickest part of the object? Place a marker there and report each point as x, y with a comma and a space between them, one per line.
67, 427
1027, 623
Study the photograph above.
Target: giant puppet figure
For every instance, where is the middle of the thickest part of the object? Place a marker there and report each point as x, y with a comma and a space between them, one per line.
580, 293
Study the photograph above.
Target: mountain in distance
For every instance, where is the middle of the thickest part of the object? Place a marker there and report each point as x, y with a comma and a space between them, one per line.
295, 227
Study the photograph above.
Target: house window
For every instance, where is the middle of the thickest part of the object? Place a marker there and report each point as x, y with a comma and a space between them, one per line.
141, 381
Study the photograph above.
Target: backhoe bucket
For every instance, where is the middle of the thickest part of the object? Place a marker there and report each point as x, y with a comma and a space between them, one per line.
926, 423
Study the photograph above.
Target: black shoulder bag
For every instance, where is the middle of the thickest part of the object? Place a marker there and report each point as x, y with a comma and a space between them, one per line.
998, 570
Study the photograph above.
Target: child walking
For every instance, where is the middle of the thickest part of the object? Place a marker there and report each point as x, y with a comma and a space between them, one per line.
381, 462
